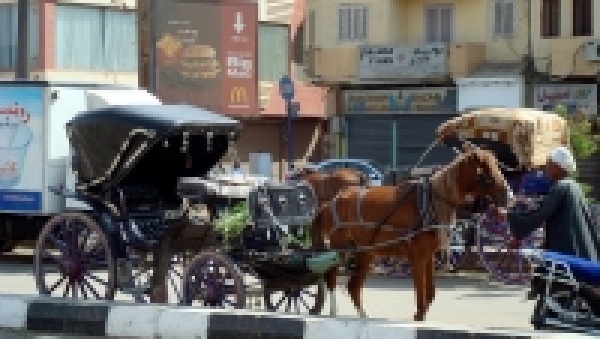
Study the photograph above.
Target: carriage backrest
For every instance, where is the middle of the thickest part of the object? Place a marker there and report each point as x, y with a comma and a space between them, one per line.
282, 204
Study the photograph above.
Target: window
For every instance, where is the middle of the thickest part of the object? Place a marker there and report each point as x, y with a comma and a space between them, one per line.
582, 17
273, 51
94, 38
438, 24
9, 36
353, 21
504, 19
550, 18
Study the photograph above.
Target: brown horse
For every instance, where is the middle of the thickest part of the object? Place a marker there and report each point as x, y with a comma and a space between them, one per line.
391, 221
327, 185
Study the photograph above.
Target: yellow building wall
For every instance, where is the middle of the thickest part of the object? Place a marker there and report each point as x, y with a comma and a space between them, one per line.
403, 22
563, 56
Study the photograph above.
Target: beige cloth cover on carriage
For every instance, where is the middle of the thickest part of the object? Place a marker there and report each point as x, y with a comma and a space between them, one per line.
531, 133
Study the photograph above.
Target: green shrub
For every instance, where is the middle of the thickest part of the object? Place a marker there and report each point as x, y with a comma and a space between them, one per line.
232, 222
583, 142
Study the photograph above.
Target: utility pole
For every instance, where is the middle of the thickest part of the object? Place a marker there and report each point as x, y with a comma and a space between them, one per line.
22, 67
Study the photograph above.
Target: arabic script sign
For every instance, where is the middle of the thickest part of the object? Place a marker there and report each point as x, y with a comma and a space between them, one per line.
439, 99
580, 98
414, 62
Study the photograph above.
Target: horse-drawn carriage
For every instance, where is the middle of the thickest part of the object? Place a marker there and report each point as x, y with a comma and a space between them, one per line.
141, 173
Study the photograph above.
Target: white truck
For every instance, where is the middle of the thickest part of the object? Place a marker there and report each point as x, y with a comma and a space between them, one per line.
35, 152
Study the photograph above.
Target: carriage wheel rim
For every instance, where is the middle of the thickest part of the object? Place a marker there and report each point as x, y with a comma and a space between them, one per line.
504, 265
77, 261
213, 280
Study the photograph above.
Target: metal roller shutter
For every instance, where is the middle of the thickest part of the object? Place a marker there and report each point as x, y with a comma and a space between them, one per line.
415, 132
370, 137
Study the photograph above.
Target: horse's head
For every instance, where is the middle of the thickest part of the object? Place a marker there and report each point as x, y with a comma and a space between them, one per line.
479, 176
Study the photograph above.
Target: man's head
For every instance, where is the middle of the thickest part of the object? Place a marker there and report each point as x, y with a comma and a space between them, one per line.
560, 164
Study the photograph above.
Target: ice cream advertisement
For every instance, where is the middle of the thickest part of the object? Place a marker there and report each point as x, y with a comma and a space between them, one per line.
21, 151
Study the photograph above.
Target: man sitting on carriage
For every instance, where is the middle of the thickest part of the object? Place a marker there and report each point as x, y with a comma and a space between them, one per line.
570, 228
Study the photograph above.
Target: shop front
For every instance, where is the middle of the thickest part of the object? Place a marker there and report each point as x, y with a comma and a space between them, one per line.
393, 127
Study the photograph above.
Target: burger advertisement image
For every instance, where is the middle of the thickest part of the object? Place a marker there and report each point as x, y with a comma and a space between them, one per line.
201, 47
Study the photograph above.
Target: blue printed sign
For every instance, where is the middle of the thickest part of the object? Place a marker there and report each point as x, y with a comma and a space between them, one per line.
21, 148
20, 201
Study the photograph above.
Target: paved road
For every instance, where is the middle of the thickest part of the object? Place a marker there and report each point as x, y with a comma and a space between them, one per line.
458, 301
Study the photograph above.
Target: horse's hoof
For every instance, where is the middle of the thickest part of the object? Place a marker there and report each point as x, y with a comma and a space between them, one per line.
419, 317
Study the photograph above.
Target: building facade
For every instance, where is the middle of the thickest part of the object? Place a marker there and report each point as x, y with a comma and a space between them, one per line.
73, 41
386, 58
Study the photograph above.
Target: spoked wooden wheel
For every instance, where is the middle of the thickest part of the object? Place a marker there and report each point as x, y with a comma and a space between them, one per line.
73, 259
510, 266
213, 280
298, 299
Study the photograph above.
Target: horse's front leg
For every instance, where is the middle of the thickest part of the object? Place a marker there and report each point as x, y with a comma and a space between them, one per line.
429, 282
419, 268
357, 280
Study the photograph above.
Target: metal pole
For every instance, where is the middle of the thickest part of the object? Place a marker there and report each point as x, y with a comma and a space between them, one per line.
22, 66
153, 38
290, 138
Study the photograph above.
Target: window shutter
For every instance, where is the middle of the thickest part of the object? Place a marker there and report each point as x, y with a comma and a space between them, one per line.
445, 24
509, 19
498, 18
356, 23
365, 22
431, 18
342, 24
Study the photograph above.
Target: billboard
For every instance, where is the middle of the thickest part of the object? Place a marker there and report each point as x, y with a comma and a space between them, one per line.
206, 54
21, 148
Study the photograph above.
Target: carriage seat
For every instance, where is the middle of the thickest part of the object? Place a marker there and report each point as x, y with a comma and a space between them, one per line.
233, 186
584, 270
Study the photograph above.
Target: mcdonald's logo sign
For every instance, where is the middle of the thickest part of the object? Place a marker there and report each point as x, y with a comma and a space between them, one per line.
238, 95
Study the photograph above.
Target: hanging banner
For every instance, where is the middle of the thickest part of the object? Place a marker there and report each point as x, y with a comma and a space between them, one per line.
577, 98
439, 99
206, 54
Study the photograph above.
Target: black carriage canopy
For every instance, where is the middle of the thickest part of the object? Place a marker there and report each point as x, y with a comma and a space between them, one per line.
147, 145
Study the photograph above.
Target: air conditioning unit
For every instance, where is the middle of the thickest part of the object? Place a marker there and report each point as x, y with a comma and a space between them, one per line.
592, 50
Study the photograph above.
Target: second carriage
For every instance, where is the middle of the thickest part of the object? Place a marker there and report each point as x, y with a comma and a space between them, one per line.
140, 174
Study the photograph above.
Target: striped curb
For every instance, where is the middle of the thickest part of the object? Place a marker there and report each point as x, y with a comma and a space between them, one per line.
117, 319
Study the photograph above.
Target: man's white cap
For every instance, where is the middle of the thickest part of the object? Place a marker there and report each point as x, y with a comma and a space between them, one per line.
563, 158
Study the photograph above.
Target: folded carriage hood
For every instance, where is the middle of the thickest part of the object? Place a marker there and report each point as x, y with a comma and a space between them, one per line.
106, 140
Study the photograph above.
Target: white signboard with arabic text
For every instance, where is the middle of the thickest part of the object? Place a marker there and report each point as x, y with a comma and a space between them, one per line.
413, 62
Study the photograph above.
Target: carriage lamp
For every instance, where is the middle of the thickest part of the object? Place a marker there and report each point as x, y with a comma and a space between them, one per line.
166, 143
302, 198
